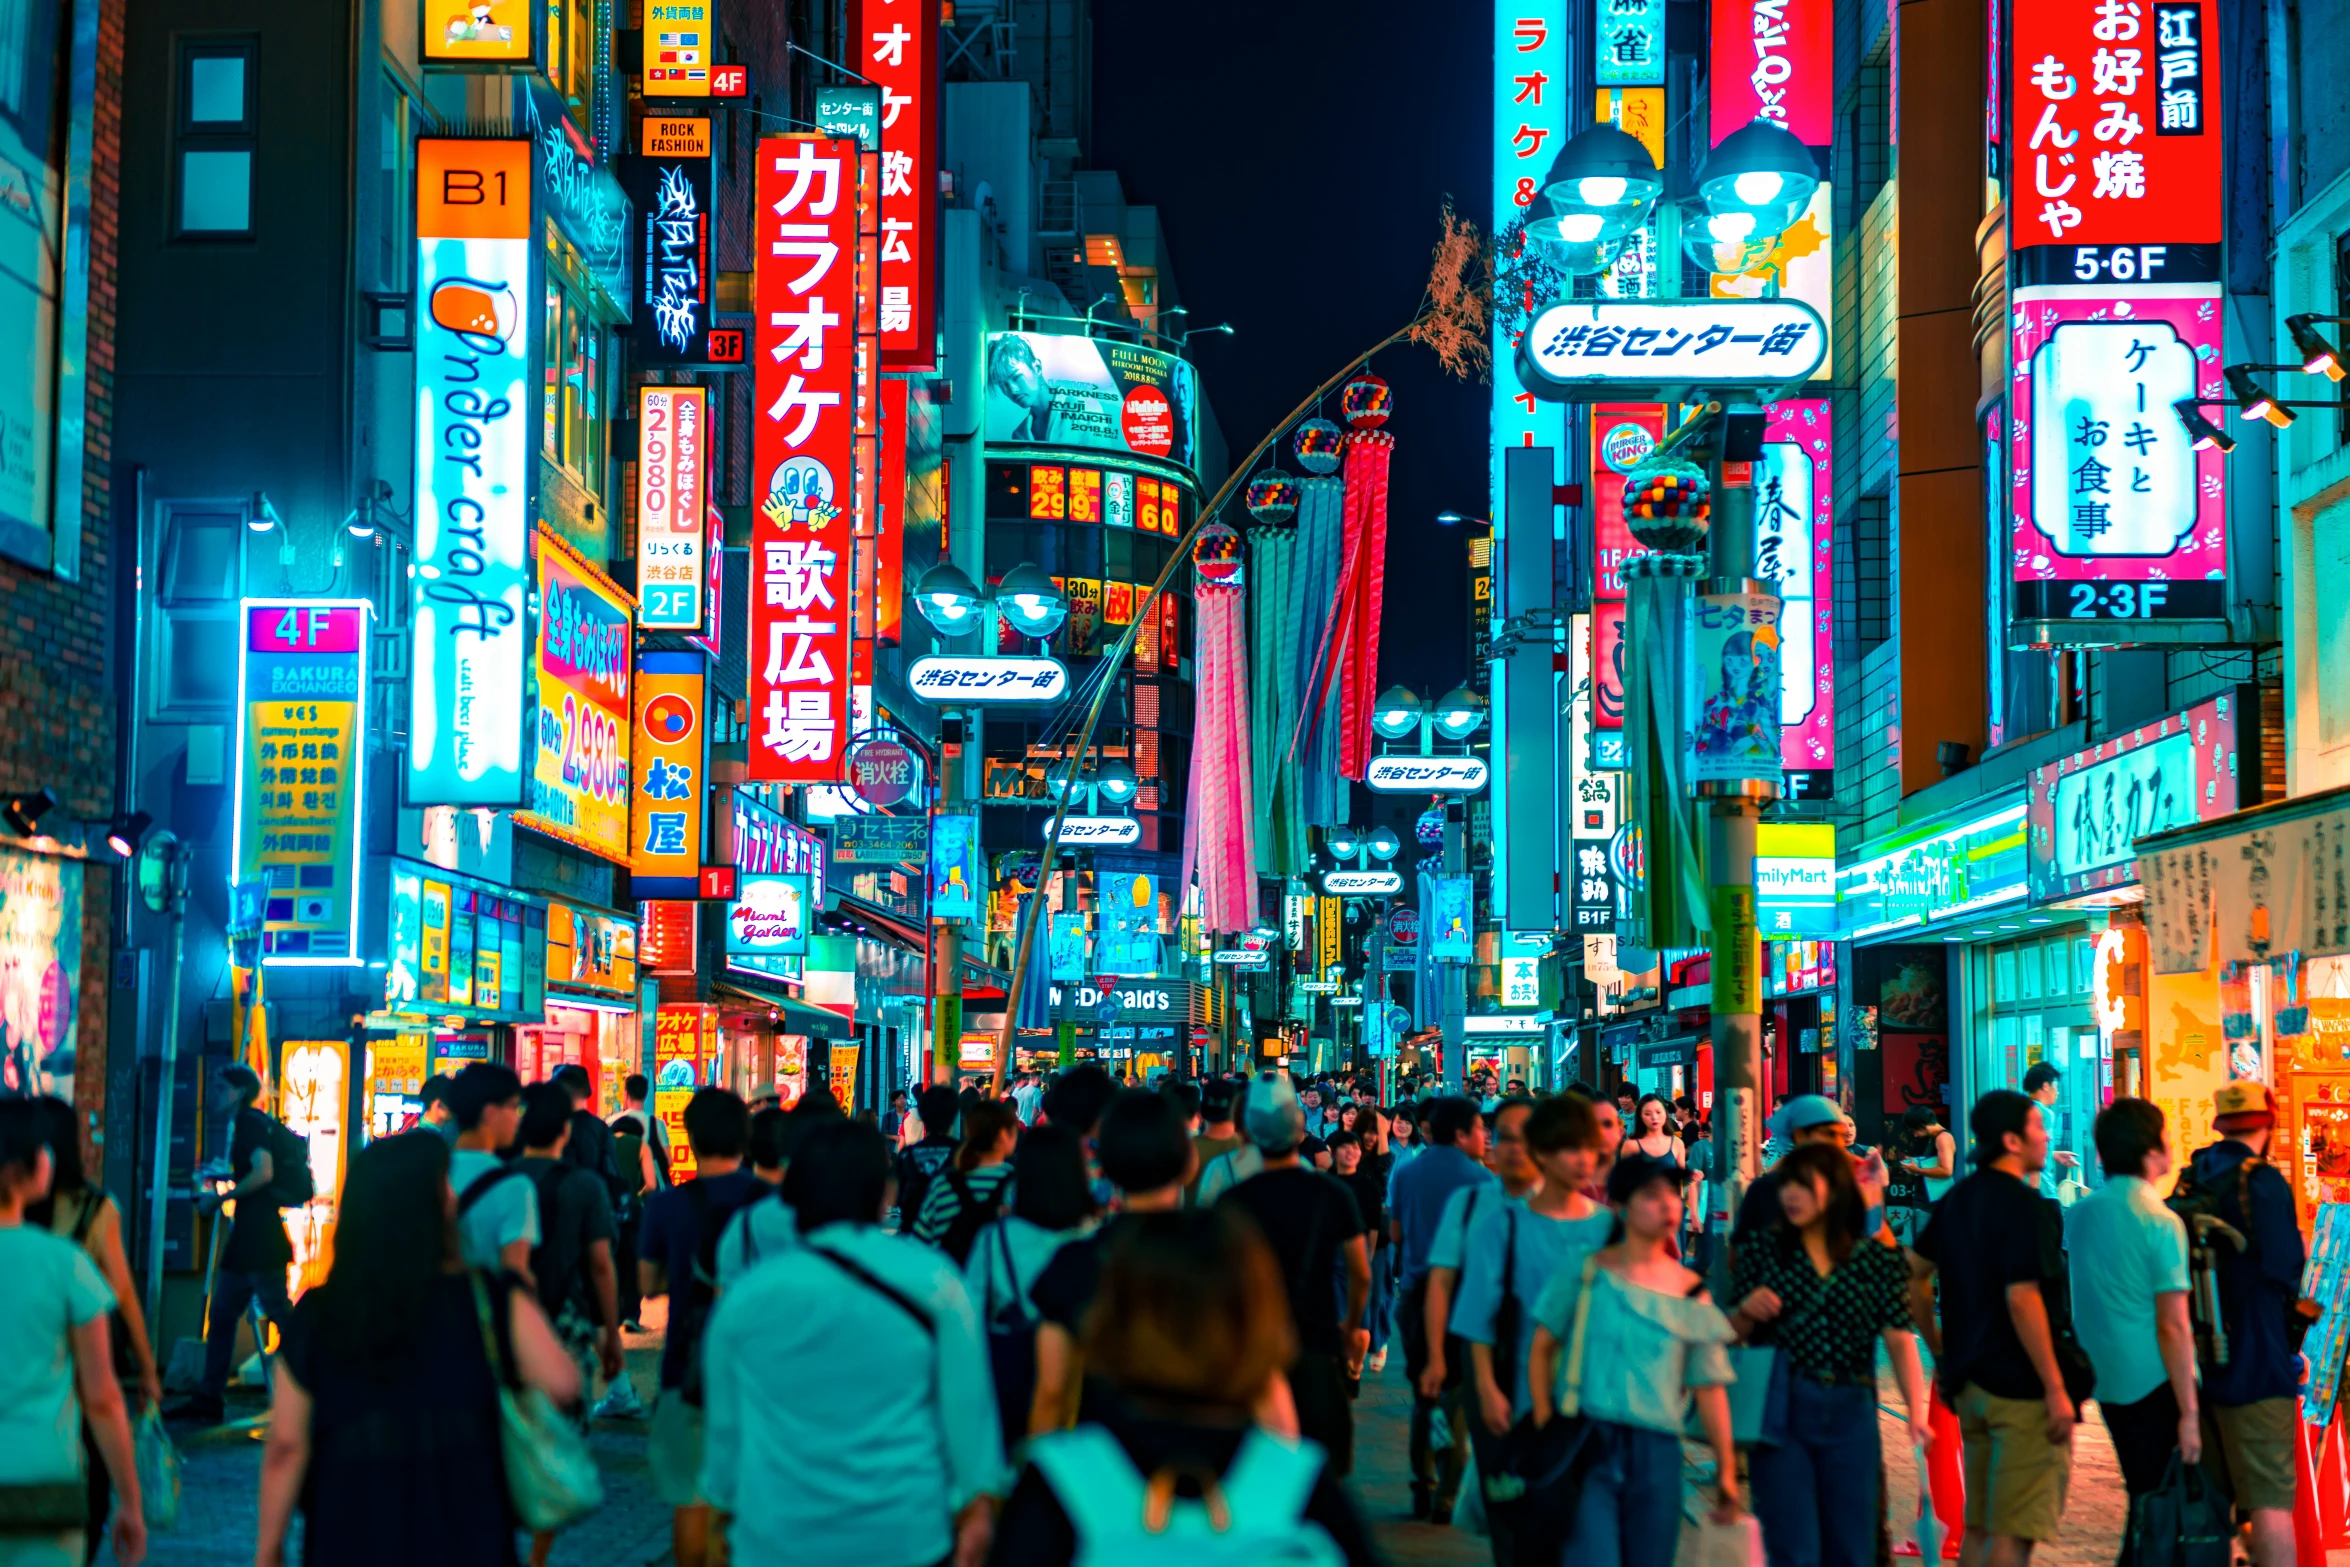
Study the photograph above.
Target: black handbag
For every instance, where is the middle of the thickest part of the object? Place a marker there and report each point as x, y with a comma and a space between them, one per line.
1541, 1468
1011, 1345
48, 1508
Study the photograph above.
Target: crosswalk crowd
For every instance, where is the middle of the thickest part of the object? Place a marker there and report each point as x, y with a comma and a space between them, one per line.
1090, 1322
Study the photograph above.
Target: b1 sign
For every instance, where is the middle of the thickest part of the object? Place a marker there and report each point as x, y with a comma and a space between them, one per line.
470, 633
1426, 774
1587, 350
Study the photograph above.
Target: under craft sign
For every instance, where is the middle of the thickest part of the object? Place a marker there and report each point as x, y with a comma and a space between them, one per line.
1580, 350
1425, 774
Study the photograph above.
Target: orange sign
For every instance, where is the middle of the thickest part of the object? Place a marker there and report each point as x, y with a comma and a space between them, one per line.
473, 189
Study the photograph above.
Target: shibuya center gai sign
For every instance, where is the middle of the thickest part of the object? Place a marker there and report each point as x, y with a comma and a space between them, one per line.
1361, 884
962, 677
1426, 774
1086, 832
1585, 350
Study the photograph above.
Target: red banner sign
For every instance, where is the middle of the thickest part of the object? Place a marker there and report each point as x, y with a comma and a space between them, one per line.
899, 43
806, 309
1775, 60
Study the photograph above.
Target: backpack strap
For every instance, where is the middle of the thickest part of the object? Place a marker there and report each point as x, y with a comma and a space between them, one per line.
1095, 1482
881, 1287
482, 1185
1271, 1479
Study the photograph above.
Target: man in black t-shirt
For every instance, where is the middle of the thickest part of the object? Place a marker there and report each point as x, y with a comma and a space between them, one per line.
577, 1282
1312, 1222
919, 1164
1997, 1353
253, 1259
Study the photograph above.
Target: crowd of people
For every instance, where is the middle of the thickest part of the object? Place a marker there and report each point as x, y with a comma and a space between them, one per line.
1036, 1328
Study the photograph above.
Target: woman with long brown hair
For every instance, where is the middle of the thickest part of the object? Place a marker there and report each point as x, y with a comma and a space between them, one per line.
1822, 1292
968, 1194
1187, 1332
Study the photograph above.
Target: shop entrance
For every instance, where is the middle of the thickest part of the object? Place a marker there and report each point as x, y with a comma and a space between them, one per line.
2039, 1011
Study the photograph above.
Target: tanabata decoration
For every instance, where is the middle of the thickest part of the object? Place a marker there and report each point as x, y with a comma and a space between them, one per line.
1668, 506
1365, 402
1348, 662
1320, 446
1272, 498
1219, 836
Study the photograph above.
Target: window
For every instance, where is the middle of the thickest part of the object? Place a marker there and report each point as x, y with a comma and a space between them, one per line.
1863, 589
574, 385
216, 139
395, 188
571, 56
194, 672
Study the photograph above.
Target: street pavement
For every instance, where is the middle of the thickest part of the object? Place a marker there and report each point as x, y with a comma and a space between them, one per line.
219, 1498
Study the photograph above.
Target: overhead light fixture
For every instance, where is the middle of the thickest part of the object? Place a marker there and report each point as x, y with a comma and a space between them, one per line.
1116, 781
1384, 844
2256, 403
1602, 185
1460, 713
125, 832
1341, 841
1027, 598
1397, 712
1760, 169
2206, 435
947, 598
261, 516
23, 812
1060, 778
2318, 356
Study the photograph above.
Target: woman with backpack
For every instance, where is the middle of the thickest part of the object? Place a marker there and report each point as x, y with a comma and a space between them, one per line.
1052, 1205
969, 1193
86, 1216
1189, 1328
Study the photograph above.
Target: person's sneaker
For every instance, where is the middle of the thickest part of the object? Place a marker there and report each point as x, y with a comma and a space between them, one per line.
198, 1409
620, 1402
1378, 1360
1421, 1502
632, 1326
1440, 1514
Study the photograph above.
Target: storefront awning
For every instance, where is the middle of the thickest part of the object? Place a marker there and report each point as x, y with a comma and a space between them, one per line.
2264, 883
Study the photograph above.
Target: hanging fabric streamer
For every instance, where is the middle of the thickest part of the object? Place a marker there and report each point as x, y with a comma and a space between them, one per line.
1219, 829
1362, 591
1309, 741
1272, 555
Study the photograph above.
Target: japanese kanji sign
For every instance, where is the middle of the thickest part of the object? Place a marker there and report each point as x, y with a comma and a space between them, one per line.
1589, 801
2116, 123
665, 812
963, 677
2117, 517
806, 309
301, 755
1583, 347
1622, 436
1628, 48
2088, 811
1533, 79
1795, 530
898, 40
1774, 60
579, 790
672, 439
1425, 775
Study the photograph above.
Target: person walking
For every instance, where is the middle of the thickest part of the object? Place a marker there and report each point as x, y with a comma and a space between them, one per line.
1052, 1205
86, 1216
57, 1373
919, 1163
1188, 1342
2044, 1086
1512, 1252
1427, 1202
572, 1266
682, 1229
640, 1148
437, 1115
1649, 1339
1817, 1289
253, 1261
968, 1195
1653, 1132
885, 1457
497, 1208
2128, 1256
1317, 1234
1217, 1136
388, 1388
1351, 1162
2251, 1403
767, 1223
1991, 1243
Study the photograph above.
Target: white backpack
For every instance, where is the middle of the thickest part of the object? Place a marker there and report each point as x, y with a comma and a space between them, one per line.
1255, 1516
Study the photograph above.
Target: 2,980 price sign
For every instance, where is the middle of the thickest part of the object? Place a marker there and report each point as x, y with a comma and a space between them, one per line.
2108, 601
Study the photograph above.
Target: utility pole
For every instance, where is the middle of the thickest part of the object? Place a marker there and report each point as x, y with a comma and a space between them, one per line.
174, 900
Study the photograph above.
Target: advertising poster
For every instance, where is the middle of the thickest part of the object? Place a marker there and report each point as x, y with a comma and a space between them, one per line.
769, 917
898, 40
580, 785
40, 971
1734, 695
801, 596
1066, 937
685, 1057
2117, 518
470, 664
1092, 392
668, 754
1795, 533
1129, 940
480, 32
1622, 436
1454, 936
954, 867
463, 948
673, 269
587, 950
678, 48
673, 424
301, 772
1085, 613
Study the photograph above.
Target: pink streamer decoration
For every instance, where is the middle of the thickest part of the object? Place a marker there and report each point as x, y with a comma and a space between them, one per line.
1361, 593
1219, 830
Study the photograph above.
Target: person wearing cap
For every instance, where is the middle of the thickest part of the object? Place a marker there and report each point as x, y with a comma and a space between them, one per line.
1315, 1229
1803, 1120
1651, 1338
2251, 1404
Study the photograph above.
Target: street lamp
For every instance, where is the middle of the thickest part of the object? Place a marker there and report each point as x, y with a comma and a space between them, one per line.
1384, 844
947, 598
1454, 519
1460, 713
1601, 187
1342, 842
1759, 170
1029, 600
1396, 711
1116, 781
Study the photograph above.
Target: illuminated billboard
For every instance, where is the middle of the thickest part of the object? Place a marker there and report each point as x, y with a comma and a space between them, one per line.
1795, 533
580, 784
2089, 810
301, 772
673, 424
669, 777
1045, 390
899, 42
673, 249
1774, 60
471, 636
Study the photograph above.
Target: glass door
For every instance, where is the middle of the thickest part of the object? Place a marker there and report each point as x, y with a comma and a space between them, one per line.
2039, 1016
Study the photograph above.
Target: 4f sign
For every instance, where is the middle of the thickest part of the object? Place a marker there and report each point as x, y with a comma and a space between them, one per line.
1426, 774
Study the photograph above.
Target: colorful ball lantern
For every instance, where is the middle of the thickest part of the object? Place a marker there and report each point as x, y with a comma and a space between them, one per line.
1216, 556
1668, 505
1320, 445
1273, 497
1366, 402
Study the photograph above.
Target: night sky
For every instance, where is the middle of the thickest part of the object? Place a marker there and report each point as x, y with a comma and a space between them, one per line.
1298, 152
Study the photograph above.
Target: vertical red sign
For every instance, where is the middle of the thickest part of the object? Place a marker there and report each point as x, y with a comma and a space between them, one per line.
889, 543
898, 40
1775, 60
801, 450
2116, 128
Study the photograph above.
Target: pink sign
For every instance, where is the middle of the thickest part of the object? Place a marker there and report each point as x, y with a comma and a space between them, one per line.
1775, 60
1795, 530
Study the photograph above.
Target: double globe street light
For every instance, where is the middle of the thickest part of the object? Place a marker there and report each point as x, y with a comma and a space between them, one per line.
1456, 715
1603, 187
1026, 598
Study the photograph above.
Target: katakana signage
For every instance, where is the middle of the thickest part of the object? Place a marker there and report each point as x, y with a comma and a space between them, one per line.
801, 598
1774, 60
962, 677
2089, 810
1533, 81
898, 40
1426, 774
1585, 349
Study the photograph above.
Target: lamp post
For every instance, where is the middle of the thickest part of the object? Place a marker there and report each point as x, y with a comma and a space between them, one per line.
163, 887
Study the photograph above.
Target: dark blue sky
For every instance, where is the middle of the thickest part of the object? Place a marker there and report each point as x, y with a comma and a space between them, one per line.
1298, 152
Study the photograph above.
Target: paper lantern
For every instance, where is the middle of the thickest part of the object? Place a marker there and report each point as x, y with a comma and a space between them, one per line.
1668, 506
1321, 446
1216, 557
1366, 402
1273, 497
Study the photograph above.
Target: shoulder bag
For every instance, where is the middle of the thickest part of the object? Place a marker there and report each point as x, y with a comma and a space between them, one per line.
551, 1476
1011, 1342
1548, 1462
